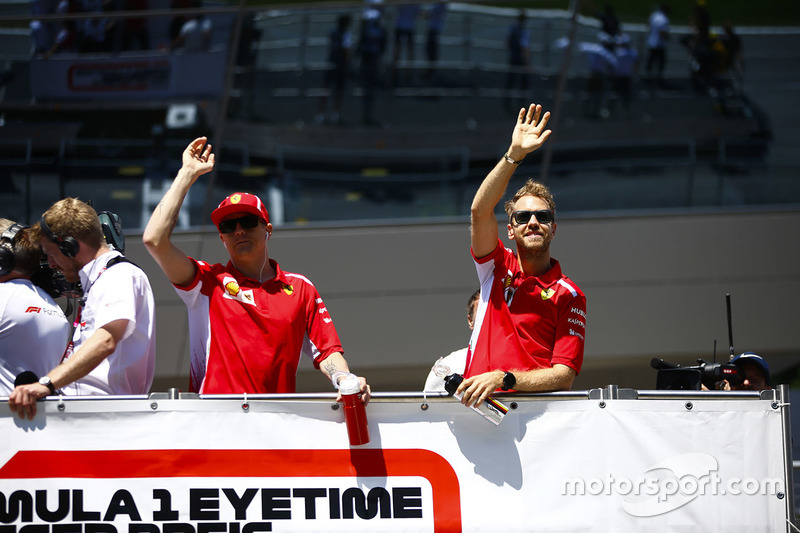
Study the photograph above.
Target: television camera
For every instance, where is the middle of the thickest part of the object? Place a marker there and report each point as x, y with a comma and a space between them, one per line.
672, 376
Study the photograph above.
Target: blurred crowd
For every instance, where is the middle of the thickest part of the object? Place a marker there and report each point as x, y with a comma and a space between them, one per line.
95, 31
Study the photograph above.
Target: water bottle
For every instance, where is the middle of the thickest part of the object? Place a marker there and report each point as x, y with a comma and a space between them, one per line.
355, 415
490, 409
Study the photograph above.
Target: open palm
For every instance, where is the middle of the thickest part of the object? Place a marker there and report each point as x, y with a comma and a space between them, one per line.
529, 133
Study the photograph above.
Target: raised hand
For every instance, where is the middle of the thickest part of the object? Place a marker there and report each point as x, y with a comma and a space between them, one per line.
198, 158
529, 133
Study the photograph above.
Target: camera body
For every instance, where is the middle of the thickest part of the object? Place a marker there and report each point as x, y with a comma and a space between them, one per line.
675, 377
54, 283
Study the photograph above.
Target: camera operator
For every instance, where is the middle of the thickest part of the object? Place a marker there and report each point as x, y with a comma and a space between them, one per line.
33, 328
755, 370
754, 374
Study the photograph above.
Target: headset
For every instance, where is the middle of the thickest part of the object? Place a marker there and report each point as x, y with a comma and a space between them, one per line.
7, 240
111, 225
69, 246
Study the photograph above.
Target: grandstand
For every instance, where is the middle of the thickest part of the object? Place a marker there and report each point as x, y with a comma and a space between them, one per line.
267, 68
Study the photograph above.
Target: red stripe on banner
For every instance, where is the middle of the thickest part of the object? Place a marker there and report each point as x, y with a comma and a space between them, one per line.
33, 464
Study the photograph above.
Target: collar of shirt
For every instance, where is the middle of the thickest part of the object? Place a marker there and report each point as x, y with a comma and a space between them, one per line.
246, 280
94, 269
545, 280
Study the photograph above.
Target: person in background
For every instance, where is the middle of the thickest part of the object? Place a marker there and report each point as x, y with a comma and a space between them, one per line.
755, 370
404, 27
456, 361
340, 48
371, 47
657, 38
626, 66
518, 43
436, 16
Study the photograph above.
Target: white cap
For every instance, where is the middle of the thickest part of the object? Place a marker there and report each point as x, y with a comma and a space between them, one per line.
350, 384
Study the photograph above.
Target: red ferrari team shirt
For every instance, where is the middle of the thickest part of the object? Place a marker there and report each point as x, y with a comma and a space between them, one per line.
247, 336
523, 323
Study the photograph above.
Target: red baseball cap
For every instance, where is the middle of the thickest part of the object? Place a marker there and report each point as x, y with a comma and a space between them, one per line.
240, 202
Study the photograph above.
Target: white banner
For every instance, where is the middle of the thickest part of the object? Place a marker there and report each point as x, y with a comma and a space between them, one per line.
554, 464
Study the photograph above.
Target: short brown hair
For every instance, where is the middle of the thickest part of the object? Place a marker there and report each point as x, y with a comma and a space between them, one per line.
27, 253
71, 217
531, 188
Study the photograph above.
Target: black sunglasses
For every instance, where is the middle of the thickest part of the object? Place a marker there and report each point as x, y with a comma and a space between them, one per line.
247, 222
543, 216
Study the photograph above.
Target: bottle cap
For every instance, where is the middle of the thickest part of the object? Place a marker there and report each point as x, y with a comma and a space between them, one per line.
350, 385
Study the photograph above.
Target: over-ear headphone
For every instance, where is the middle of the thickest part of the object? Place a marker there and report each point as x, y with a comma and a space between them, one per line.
7, 248
69, 246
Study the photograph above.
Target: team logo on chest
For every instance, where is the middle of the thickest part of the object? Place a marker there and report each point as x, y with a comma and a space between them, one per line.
548, 293
508, 290
288, 289
234, 292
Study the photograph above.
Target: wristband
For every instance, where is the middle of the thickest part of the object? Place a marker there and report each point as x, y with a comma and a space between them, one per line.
508, 158
509, 381
335, 377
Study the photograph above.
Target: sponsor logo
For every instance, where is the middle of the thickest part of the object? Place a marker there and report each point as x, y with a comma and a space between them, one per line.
670, 484
234, 292
232, 287
579, 312
576, 322
124, 76
44, 310
508, 290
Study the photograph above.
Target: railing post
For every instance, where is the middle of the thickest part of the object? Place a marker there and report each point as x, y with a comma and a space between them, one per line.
782, 401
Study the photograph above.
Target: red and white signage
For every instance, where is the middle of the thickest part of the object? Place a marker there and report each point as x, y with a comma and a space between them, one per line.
555, 463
